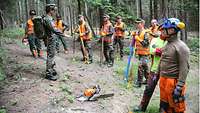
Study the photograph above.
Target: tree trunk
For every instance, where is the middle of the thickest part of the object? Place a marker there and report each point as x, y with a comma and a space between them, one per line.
1, 19
140, 8
79, 7
151, 10
137, 8
86, 9
26, 9
101, 13
155, 4
163, 7
186, 28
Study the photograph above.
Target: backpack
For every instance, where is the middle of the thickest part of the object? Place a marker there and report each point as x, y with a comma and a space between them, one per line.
39, 28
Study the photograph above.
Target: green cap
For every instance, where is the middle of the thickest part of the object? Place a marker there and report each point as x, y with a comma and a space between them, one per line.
139, 20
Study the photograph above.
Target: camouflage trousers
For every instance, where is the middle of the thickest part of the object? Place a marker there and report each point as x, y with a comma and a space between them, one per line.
120, 41
51, 51
143, 68
149, 89
88, 47
108, 52
34, 43
63, 41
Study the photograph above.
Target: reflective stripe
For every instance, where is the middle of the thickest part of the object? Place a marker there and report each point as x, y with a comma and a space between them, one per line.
105, 31
118, 31
59, 25
30, 27
82, 29
140, 50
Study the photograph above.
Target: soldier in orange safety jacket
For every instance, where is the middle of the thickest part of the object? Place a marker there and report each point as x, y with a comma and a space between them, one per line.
107, 34
142, 50
119, 34
85, 35
34, 42
62, 26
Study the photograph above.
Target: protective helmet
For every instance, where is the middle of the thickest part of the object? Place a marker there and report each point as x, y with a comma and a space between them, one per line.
173, 23
32, 12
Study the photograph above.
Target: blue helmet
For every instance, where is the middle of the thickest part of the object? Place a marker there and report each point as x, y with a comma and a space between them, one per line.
172, 23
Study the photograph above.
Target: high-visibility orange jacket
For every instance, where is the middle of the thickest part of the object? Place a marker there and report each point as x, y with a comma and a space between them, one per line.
107, 31
29, 27
59, 25
84, 31
119, 29
141, 49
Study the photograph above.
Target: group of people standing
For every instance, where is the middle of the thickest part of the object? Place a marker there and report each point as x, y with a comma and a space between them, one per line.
161, 54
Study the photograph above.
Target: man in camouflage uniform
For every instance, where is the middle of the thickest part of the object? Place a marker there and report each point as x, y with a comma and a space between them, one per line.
106, 33
142, 50
51, 32
119, 35
85, 35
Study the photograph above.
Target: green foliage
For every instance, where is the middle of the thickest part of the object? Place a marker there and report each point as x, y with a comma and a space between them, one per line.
2, 62
67, 92
127, 50
12, 33
113, 10
3, 111
193, 44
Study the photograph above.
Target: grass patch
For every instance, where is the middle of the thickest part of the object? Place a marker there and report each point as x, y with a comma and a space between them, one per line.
67, 92
3, 60
193, 44
194, 58
7, 35
12, 33
3, 111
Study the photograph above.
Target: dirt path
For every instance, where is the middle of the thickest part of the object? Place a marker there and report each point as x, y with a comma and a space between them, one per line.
26, 90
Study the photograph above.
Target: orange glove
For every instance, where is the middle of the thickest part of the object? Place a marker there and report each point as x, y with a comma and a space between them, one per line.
102, 33
137, 38
133, 33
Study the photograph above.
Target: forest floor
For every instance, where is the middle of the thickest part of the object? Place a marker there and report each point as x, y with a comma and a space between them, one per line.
26, 91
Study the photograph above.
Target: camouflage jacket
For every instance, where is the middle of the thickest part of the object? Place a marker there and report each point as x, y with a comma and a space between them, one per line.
50, 28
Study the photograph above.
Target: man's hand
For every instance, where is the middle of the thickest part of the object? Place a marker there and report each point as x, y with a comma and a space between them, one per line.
177, 94
82, 34
102, 33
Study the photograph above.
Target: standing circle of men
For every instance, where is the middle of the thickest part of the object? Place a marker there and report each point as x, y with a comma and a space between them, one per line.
158, 49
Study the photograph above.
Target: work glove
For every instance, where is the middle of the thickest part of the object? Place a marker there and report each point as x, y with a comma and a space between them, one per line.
158, 52
25, 41
82, 34
177, 94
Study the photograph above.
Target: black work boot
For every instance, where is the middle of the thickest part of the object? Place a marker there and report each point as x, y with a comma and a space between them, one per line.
137, 84
51, 75
110, 64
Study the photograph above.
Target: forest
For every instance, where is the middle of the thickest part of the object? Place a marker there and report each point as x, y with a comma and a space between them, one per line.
24, 89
